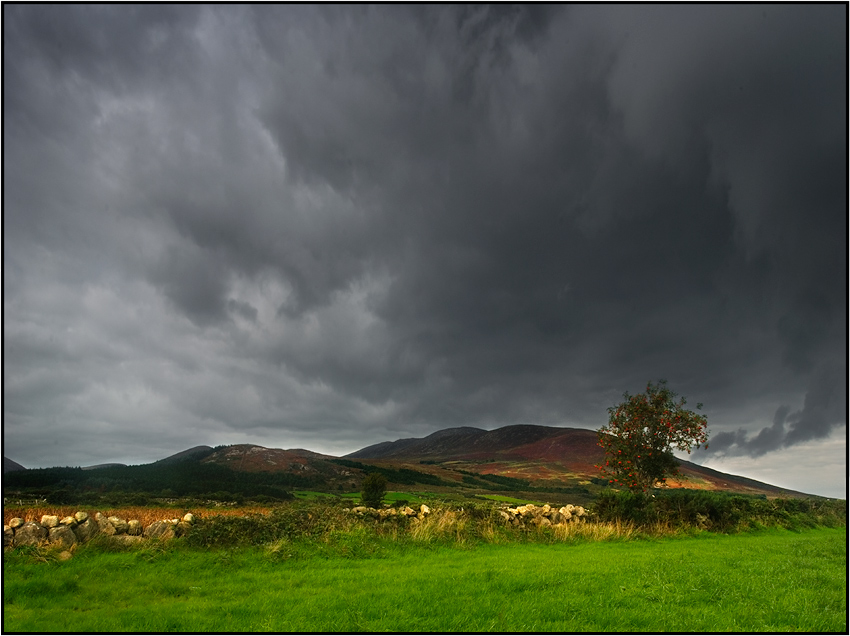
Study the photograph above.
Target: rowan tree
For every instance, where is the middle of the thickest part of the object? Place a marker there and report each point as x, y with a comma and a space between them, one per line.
641, 434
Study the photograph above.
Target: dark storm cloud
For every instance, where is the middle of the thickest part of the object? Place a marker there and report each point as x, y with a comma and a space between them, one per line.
822, 408
359, 222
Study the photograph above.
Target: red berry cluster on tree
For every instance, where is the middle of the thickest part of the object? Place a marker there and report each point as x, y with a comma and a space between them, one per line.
641, 433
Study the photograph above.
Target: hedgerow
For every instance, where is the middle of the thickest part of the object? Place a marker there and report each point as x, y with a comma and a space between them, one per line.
717, 511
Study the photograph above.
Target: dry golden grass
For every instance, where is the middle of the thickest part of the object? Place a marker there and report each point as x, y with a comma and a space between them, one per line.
594, 531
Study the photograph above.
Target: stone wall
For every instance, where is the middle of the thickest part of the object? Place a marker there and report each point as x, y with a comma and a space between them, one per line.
79, 528
528, 515
543, 515
66, 532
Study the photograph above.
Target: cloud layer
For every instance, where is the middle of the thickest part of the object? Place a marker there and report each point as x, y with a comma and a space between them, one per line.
330, 226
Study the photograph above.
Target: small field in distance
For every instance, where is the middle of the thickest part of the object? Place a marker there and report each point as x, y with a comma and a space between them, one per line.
771, 580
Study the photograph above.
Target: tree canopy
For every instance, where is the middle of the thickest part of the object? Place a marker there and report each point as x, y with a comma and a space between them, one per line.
641, 434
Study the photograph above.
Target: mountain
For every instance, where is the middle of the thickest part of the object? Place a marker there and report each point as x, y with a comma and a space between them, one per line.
313, 470
99, 466
574, 448
196, 452
252, 458
436, 445
539, 454
9, 465
525, 460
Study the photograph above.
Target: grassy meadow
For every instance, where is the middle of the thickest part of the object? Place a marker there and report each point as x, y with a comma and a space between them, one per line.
680, 561
772, 580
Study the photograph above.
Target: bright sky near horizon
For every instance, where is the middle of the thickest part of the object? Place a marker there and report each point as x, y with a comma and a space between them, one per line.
327, 226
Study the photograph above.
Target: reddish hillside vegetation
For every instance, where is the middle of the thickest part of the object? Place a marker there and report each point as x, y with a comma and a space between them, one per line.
543, 455
539, 452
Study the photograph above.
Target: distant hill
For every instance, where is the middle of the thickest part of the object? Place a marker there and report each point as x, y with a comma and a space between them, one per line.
311, 469
575, 448
252, 458
9, 465
100, 466
196, 452
514, 459
437, 445
540, 452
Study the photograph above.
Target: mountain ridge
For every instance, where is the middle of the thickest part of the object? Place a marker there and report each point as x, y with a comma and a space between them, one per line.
11, 465
572, 450
544, 457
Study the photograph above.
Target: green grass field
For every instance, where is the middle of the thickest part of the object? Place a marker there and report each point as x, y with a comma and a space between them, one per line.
511, 500
390, 498
771, 581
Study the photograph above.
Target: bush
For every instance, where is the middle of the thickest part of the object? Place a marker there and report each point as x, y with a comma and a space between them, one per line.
374, 489
290, 521
718, 511
631, 506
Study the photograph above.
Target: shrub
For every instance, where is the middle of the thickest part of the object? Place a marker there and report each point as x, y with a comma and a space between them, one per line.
374, 489
717, 511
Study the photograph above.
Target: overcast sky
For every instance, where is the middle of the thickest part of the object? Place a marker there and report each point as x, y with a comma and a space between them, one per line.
330, 226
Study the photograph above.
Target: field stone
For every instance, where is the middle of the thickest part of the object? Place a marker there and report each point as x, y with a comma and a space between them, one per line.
63, 535
81, 516
189, 517
49, 521
160, 530
119, 524
103, 524
16, 523
134, 527
8, 537
64, 555
31, 533
68, 521
85, 530
182, 528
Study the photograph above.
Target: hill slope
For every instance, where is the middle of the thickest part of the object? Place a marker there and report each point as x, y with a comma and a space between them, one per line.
464, 461
10, 466
196, 452
539, 453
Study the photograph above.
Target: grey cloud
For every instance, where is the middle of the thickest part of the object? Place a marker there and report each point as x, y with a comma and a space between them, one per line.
822, 412
194, 281
823, 406
361, 221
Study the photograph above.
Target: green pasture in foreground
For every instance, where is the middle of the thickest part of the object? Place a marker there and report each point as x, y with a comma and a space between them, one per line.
770, 581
